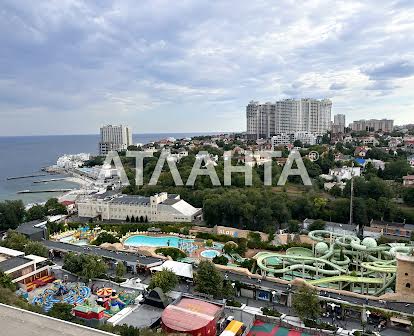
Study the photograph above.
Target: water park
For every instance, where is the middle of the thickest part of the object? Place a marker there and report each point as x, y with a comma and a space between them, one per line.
338, 261
101, 304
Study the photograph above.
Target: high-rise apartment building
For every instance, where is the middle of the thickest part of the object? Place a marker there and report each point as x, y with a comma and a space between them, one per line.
373, 125
338, 125
114, 138
288, 116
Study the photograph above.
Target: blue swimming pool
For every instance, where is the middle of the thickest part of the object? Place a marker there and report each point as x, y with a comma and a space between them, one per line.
141, 240
210, 254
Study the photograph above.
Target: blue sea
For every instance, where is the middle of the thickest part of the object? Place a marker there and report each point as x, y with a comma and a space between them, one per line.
26, 155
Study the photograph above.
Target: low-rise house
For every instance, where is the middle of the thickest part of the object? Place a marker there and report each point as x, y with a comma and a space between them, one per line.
361, 151
410, 160
408, 181
393, 229
377, 164
344, 173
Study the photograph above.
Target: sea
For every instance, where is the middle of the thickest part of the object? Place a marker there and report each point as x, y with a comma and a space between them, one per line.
26, 155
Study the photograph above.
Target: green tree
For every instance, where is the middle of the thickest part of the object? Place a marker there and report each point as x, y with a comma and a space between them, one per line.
53, 207
6, 281
36, 212
306, 304
120, 269
62, 311
173, 252
396, 169
15, 241
230, 247
36, 248
164, 279
208, 279
93, 267
220, 260
408, 196
293, 226
105, 237
11, 214
318, 224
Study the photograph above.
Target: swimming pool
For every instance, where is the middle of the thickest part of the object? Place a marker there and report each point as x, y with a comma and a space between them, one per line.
140, 240
210, 254
73, 241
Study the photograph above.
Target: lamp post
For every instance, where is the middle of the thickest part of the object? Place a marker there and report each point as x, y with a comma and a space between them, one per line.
273, 299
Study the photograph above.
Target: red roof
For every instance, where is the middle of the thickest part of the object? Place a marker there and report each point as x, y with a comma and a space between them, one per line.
189, 314
66, 203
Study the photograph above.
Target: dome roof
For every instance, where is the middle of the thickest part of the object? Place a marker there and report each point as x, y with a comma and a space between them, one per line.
321, 247
369, 242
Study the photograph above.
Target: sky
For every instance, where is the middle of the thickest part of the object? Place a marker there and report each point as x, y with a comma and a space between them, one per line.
68, 66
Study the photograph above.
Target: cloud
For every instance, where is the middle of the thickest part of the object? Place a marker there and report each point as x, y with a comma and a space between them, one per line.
337, 86
182, 66
389, 70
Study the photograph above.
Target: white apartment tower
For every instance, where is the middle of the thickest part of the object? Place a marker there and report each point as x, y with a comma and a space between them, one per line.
373, 125
288, 116
114, 138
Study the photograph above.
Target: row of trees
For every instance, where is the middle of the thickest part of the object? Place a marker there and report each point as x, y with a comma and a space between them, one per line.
13, 213
86, 266
17, 241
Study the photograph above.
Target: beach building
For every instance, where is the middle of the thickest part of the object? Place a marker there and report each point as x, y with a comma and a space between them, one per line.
21, 268
160, 207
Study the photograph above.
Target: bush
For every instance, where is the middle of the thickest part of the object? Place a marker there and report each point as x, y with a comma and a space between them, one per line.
105, 237
270, 312
172, 252
233, 303
320, 325
318, 224
220, 260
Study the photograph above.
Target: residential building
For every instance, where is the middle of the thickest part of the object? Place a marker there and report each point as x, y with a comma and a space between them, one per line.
338, 125
410, 160
399, 230
114, 138
283, 139
160, 207
372, 125
344, 173
21, 268
408, 181
288, 116
306, 138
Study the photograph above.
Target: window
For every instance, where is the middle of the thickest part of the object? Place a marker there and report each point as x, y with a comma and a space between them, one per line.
406, 274
408, 285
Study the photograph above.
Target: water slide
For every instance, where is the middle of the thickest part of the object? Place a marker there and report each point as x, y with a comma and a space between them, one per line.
377, 264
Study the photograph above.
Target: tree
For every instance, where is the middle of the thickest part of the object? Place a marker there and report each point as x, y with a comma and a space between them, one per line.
11, 214
53, 207
105, 237
220, 260
297, 143
408, 196
127, 219
164, 279
208, 279
396, 169
293, 226
306, 304
62, 311
318, 224
120, 270
36, 248
230, 247
173, 252
36, 212
6, 281
93, 267
15, 241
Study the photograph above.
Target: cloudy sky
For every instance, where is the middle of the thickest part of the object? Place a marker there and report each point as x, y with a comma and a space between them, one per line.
68, 66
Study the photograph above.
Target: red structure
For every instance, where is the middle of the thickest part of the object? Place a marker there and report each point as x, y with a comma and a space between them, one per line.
191, 316
89, 313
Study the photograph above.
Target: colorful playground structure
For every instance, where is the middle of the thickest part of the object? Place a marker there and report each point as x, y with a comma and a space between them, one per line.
112, 302
338, 261
71, 293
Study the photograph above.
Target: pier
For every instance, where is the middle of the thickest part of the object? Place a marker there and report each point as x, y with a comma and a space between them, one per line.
50, 180
25, 176
43, 191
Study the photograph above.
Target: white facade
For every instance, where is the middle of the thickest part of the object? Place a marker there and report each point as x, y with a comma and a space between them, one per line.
344, 173
72, 161
288, 116
157, 208
284, 139
114, 138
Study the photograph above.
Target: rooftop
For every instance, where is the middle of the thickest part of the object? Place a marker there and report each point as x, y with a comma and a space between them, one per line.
20, 322
9, 263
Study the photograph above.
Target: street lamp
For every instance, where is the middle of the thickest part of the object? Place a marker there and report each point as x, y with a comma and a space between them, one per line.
273, 298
